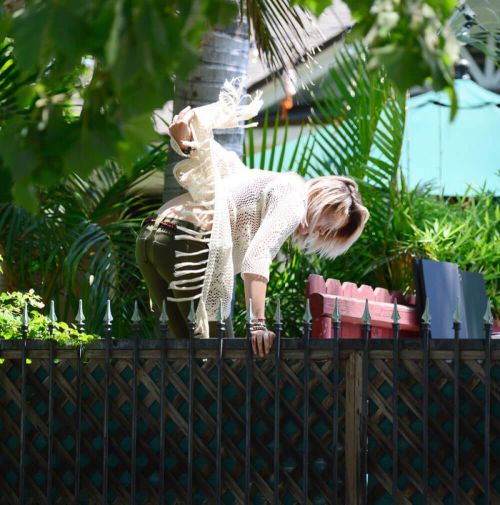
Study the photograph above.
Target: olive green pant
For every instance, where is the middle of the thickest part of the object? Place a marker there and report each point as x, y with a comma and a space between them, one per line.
155, 255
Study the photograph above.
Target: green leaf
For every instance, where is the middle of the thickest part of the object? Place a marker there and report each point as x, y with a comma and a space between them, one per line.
115, 34
137, 133
31, 32
220, 12
443, 7
91, 148
315, 6
25, 194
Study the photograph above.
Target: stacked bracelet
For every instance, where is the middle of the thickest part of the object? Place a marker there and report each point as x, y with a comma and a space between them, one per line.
258, 324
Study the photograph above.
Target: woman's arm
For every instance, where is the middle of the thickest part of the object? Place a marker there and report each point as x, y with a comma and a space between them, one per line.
284, 210
255, 288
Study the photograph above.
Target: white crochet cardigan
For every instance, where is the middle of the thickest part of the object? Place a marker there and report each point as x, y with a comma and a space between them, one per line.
252, 212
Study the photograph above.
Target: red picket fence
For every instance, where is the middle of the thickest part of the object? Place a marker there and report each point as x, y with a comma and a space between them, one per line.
351, 298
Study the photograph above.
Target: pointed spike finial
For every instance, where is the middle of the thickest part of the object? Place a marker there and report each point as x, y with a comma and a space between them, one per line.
488, 316
26, 317
80, 318
52, 312
366, 317
336, 311
395, 313
456, 312
426, 316
307, 312
277, 313
192, 313
108, 317
249, 311
163, 313
136, 316
221, 312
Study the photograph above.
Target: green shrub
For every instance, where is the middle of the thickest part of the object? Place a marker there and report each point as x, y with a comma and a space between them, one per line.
11, 312
465, 232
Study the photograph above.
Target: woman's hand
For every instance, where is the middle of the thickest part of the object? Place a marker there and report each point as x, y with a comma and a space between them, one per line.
180, 128
262, 341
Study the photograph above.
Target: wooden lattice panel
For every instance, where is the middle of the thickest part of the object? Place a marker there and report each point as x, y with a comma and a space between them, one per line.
176, 428
291, 477
441, 443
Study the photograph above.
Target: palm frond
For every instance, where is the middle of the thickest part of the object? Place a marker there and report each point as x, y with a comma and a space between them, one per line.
86, 229
358, 123
275, 149
282, 33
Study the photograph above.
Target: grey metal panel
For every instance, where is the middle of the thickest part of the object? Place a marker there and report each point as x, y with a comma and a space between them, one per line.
441, 283
475, 300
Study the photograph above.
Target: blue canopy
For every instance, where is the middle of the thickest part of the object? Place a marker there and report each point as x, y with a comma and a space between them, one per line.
453, 155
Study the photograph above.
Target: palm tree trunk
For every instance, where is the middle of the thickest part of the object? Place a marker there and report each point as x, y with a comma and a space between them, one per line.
224, 55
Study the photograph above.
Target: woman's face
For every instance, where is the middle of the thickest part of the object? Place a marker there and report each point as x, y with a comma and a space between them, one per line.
322, 227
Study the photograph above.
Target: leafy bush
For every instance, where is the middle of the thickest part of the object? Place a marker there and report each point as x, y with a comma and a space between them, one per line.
40, 326
465, 232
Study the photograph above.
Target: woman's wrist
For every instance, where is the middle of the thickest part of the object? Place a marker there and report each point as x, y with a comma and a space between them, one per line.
257, 323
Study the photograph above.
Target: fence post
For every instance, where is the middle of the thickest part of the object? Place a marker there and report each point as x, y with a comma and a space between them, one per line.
80, 324
353, 407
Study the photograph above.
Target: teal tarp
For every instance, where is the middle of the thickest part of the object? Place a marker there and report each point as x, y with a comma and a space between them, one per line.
453, 155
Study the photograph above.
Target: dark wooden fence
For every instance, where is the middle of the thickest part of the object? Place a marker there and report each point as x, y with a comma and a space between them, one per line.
138, 421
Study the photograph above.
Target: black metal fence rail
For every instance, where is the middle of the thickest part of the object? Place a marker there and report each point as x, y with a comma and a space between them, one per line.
342, 421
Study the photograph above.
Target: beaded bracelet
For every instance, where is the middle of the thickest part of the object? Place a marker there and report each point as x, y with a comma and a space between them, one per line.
259, 328
258, 324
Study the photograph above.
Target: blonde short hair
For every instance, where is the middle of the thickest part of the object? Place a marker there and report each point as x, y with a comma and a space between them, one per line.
336, 199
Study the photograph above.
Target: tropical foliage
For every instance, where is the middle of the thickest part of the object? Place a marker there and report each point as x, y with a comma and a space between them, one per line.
89, 74
40, 325
357, 130
12, 306
82, 243
466, 232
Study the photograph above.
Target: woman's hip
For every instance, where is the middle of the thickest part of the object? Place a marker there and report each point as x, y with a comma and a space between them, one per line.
169, 242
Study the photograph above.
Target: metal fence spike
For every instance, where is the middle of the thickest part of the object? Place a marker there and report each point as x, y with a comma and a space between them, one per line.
221, 312
163, 313
488, 316
307, 312
108, 317
136, 316
426, 316
456, 312
336, 311
192, 313
277, 313
26, 317
80, 318
249, 311
366, 317
52, 312
395, 313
